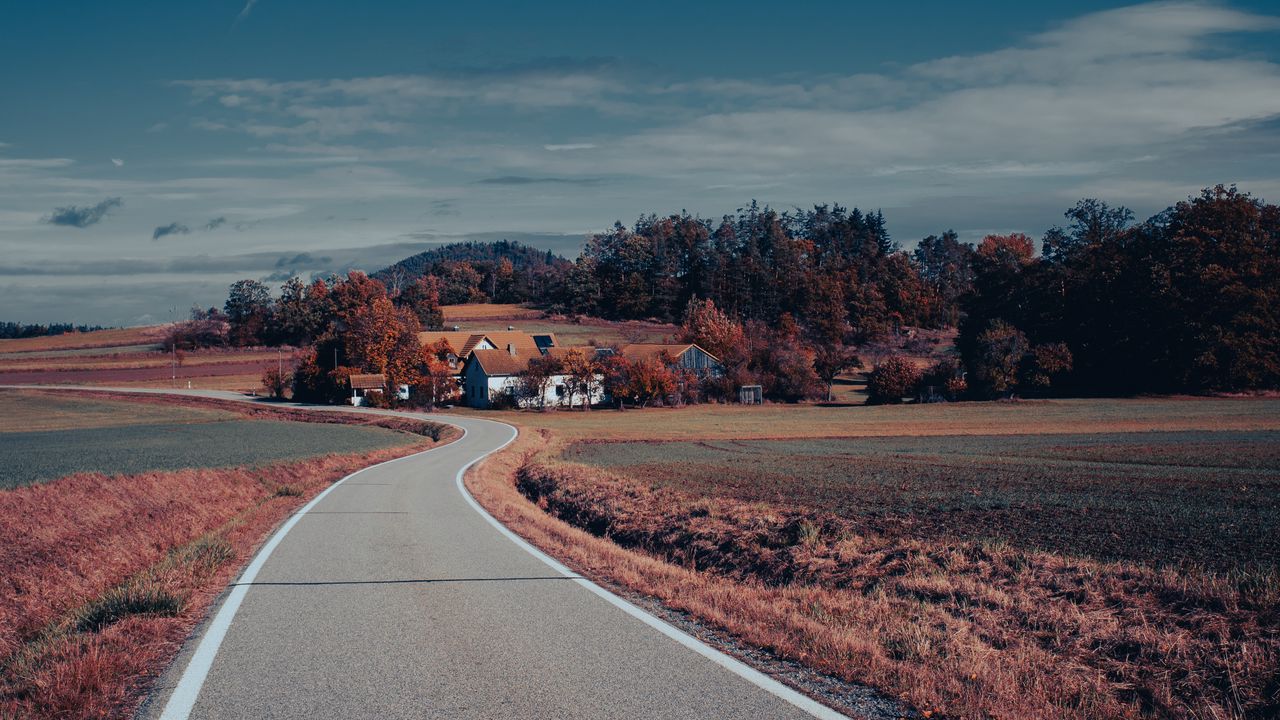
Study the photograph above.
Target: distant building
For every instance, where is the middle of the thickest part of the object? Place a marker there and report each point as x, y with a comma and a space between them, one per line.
684, 356
362, 385
463, 344
490, 374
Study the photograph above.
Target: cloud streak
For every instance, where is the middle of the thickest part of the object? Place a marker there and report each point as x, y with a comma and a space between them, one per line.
173, 228
83, 217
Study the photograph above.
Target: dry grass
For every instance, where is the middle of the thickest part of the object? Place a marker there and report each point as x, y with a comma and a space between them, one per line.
142, 359
103, 578
98, 338
488, 311
958, 628
570, 331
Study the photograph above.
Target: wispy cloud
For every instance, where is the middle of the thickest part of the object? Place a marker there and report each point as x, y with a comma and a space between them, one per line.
83, 217
117, 162
173, 228
569, 146
215, 223
248, 8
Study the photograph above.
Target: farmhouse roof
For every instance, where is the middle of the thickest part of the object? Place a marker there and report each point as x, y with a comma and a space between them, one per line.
500, 362
461, 342
523, 342
652, 351
375, 381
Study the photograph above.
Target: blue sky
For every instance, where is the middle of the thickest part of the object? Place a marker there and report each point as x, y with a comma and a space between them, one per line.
151, 153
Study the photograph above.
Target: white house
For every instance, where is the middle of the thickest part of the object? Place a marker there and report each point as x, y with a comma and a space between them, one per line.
488, 374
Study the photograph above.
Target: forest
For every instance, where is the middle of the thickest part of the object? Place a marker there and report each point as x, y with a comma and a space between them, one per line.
1185, 301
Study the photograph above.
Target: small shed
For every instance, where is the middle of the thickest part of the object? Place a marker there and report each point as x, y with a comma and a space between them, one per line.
751, 394
363, 384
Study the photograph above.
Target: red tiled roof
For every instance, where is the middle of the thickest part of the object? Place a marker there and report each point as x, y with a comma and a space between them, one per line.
368, 382
500, 362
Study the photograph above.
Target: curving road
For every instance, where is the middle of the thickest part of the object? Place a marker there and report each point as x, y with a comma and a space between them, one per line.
393, 595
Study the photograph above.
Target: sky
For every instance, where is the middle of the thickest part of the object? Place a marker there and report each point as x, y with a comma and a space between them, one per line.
153, 152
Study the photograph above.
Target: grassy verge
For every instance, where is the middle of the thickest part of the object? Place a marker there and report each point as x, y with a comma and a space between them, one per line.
956, 626
104, 577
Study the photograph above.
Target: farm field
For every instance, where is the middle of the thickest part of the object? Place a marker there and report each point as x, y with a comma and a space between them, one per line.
719, 422
1204, 498
142, 335
569, 331
1065, 558
30, 457
121, 519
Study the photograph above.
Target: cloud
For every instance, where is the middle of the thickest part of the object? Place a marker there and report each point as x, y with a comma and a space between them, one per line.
248, 8
569, 146
173, 228
117, 162
215, 223
83, 217
525, 180
304, 259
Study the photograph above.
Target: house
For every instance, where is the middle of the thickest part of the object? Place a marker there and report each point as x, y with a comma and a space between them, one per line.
491, 373
684, 356
464, 343
362, 385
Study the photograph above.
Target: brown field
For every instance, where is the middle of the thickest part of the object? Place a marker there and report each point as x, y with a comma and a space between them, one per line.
570, 331
976, 560
143, 335
488, 311
105, 576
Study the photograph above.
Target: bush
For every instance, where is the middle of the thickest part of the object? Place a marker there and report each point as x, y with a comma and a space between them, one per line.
892, 380
276, 382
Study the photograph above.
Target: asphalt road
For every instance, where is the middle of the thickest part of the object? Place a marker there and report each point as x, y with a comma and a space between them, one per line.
394, 596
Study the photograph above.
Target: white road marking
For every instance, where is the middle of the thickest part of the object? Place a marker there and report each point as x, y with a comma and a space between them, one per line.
732, 664
188, 688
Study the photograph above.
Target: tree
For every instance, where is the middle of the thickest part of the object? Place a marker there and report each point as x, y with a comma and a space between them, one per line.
1043, 364
422, 298
831, 360
382, 338
1013, 250
648, 381
712, 329
581, 374
248, 306
946, 264
436, 383
533, 383
276, 381
999, 358
891, 380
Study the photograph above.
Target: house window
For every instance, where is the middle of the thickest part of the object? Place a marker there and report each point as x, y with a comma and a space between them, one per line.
559, 391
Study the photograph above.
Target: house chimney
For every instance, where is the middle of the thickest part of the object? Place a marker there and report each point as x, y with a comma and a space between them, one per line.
511, 348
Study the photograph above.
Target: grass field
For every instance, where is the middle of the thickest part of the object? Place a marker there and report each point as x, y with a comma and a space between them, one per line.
1206, 498
23, 411
1069, 558
30, 457
143, 335
569, 331
106, 570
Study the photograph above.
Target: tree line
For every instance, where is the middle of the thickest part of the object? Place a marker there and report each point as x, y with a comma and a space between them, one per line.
14, 330
1186, 301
